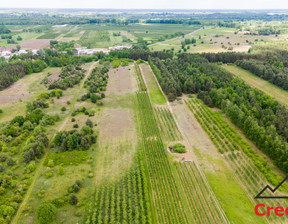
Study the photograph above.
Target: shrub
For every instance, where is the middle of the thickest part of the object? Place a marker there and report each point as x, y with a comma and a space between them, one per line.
76, 188
46, 213
10, 162
3, 157
48, 174
31, 167
2, 168
63, 109
6, 211
179, 148
73, 200
50, 163
58, 202
2, 191
61, 170
75, 126
1, 111
89, 123
73, 119
78, 182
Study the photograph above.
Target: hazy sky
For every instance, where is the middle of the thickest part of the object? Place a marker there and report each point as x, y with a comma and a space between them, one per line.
148, 4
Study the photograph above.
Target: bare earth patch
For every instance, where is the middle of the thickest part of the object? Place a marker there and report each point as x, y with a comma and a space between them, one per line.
192, 130
116, 124
14, 92
53, 77
35, 44
121, 81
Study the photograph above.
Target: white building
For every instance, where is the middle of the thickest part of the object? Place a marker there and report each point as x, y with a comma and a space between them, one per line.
85, 51
119, 48
6, 54
22, 52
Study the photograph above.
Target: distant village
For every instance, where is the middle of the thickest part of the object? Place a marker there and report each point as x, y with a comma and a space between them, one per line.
9, 52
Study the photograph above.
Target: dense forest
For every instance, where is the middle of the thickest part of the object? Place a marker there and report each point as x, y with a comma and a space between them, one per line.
261, 118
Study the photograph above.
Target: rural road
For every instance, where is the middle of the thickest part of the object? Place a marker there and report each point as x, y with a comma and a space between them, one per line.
39, 168
174, 38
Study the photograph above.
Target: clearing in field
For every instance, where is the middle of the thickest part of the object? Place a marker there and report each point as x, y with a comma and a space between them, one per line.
254, 81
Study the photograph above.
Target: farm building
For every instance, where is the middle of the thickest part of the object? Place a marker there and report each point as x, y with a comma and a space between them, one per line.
85, 51
119, 48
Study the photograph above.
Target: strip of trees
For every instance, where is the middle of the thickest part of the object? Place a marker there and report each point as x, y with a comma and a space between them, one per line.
11, 72
274, 72
70, 76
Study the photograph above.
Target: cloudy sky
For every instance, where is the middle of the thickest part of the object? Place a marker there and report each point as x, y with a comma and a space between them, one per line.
147, 4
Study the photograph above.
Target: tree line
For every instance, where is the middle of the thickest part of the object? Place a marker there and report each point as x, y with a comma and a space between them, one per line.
12, 71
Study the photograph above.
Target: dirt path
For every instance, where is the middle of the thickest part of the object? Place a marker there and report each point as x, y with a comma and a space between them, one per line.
39, 168
174, 38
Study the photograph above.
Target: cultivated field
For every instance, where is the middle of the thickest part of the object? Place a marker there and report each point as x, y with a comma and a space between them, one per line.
35, 44
214, 39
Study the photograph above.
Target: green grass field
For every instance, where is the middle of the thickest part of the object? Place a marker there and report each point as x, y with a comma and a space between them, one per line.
154, 91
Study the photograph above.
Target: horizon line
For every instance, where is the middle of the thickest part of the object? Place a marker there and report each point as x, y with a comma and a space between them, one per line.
200, 9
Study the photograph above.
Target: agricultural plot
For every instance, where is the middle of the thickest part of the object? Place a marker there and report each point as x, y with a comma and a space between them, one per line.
274, 91
101, 38
182, 185
216, 170
168, 127
211, 162
214, 39
121, 193
174, 187
237, 153
149, 32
